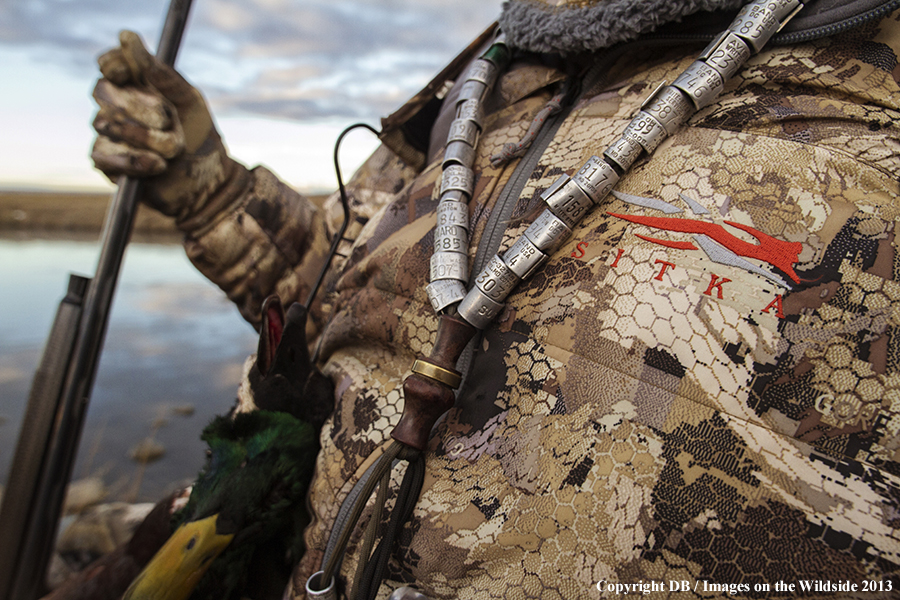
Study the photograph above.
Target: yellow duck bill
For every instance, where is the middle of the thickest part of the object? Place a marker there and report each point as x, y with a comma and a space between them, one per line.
173, 572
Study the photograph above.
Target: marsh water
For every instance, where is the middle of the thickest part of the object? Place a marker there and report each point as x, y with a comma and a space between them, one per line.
172, 358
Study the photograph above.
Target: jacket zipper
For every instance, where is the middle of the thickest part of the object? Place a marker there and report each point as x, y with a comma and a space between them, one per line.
509, 196
794, 37
495, 227
839, 27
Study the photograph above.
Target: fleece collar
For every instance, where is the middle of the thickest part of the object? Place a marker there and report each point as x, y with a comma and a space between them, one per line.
573, 26
569, 26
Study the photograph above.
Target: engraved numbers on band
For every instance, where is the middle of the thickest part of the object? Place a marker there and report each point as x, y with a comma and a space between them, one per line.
496, 280
727, 54
479, 78
478, 309
670, 107
444, 292
568, 199
483, 71
461, 143
547, 232
569, 203
701, 83
451, 238
449, 265
470, 110
623, 152
760, 20
463, 130
458, 177
646, 131
596, 178
523, 258
452, 213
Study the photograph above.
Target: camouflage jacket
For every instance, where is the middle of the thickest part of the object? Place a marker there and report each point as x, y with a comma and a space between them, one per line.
701, 386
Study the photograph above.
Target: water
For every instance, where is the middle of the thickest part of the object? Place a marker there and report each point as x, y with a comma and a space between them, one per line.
173, 340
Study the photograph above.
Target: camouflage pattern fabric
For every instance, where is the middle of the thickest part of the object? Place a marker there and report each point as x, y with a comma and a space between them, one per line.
702, 385
266, 240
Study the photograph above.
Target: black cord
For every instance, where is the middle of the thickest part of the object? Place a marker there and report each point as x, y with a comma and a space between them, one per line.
345, 203
407, 496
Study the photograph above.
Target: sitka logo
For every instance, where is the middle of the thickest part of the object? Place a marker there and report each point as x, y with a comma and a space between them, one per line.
715, 240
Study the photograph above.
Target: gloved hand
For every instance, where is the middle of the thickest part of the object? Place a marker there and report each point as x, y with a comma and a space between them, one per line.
154, 125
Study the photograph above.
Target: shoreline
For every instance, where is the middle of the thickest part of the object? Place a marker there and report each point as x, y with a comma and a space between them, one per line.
80, 215
54, 216
172, 361
40, 213
62, 216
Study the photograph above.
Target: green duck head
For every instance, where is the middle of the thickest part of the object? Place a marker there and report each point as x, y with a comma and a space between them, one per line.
250, 497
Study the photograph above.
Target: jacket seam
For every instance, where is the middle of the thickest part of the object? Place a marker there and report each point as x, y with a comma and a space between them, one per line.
718, 410
831, 149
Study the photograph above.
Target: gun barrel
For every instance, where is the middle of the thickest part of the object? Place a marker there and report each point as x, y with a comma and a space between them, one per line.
28, 553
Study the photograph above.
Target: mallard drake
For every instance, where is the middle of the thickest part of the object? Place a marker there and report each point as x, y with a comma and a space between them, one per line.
246, 512
247, 507
240, 532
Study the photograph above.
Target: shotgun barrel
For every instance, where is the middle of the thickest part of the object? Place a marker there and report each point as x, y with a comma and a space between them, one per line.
57, 405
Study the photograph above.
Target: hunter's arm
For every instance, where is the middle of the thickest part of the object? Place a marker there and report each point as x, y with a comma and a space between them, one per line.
255, 237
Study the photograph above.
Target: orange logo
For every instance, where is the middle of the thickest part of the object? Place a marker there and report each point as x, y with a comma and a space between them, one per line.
719, 245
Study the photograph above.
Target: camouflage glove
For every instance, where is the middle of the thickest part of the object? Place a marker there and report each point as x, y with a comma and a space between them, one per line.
153, 124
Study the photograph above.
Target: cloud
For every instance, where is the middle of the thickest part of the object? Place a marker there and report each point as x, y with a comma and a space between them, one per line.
72, 31
298, 59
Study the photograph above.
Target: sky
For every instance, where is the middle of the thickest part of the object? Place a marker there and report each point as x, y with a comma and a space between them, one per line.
283, 77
